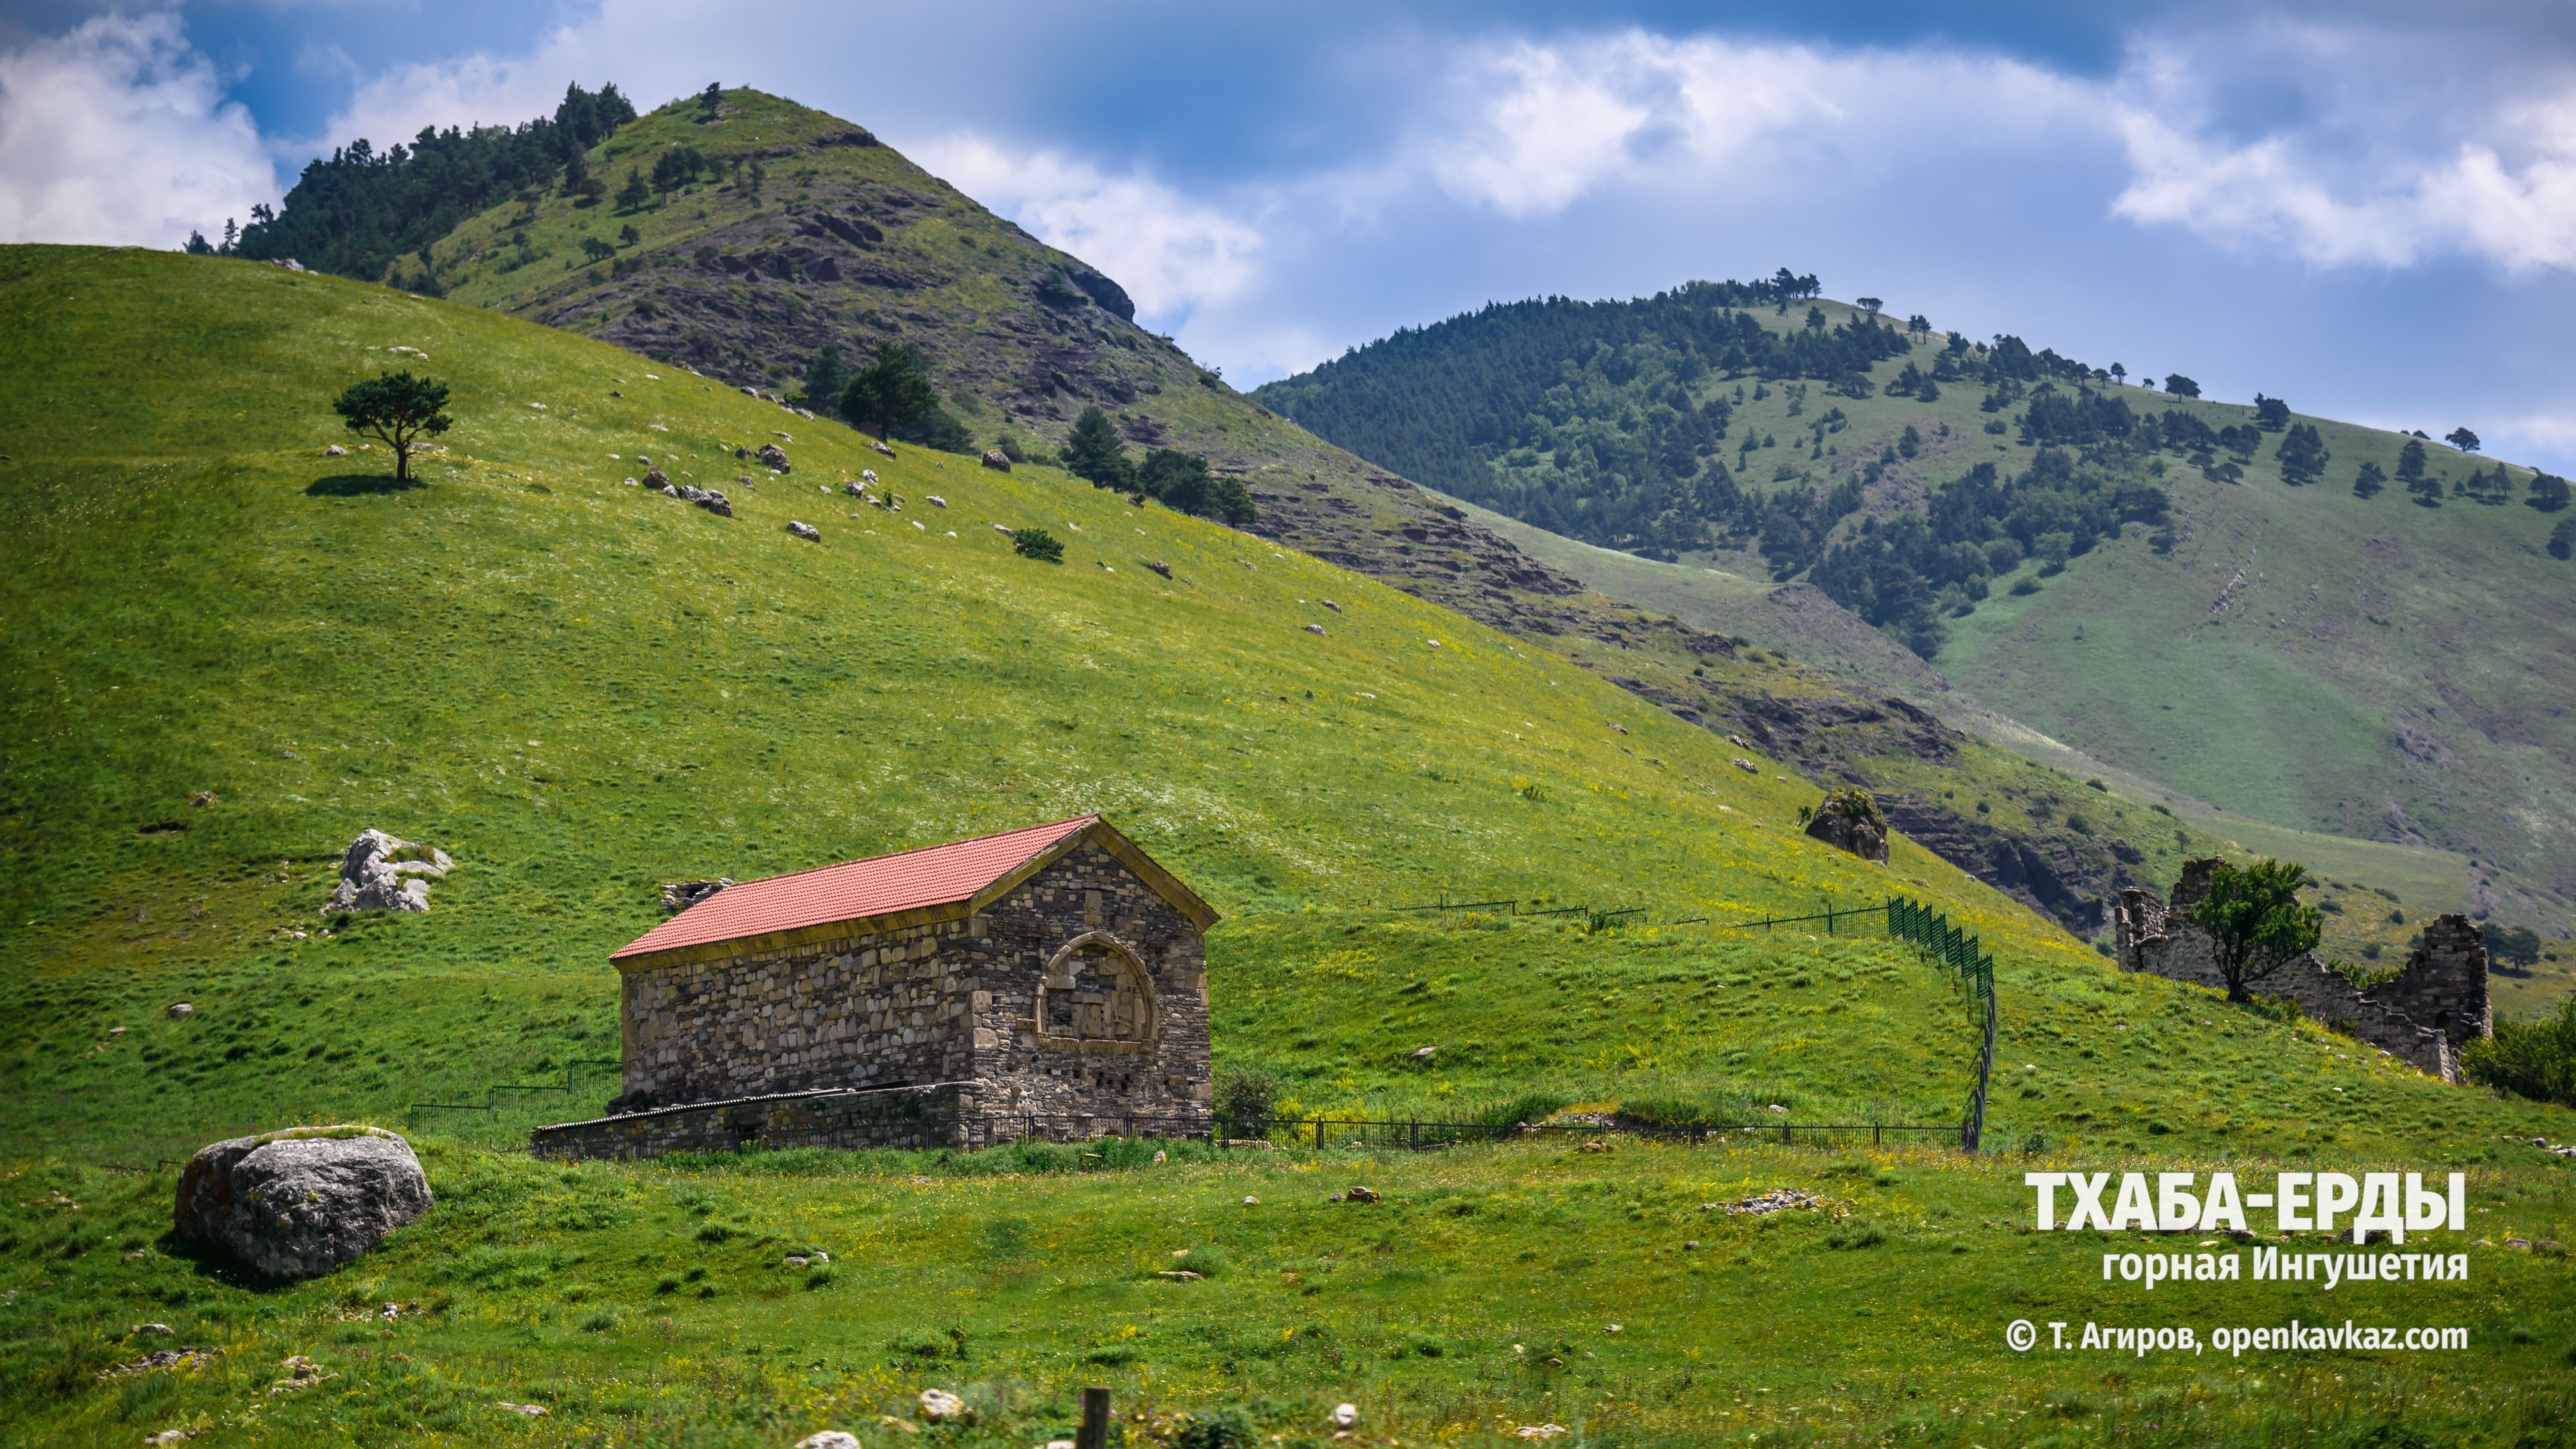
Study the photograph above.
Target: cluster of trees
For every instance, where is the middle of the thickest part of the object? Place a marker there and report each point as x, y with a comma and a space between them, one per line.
1169, 476
361, 212
1906, 572
1596, 420
894, 395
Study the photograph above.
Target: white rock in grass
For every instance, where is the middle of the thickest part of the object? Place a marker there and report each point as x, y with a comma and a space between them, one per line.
938, 1405
1345, 1415
829, 1439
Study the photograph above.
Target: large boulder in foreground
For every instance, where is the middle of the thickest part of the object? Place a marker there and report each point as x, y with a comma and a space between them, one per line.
381, 873
303, 1201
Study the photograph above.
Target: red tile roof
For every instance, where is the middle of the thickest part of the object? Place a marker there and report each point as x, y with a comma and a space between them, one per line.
935, 875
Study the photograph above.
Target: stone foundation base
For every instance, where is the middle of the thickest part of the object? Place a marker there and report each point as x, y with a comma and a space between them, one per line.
945, 1114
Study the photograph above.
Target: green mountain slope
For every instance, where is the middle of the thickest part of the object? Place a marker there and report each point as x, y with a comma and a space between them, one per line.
837, 239
580, 688
242, 652
2376, 667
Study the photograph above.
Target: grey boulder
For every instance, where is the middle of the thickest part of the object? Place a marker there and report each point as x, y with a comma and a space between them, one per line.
706, 498
805, 531
380, 873
300, 1202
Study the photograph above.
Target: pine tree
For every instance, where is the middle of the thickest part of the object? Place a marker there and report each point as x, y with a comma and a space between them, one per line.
2370, 481
826, 378
2302, 454
2410, 461
1092, 451
634, 195
2562, 539
893, 389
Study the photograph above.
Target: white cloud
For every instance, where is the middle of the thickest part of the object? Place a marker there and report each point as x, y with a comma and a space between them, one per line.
117, 132
2390, 156
1531, 128
1173, 255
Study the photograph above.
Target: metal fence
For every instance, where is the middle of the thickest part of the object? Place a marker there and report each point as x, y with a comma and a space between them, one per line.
490, 1106
1900, 918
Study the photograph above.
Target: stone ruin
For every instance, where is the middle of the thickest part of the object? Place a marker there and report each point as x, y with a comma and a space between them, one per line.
2434, 1006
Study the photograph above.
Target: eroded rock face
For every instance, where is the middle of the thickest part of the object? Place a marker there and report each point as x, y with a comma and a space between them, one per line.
381, 873
301, 1202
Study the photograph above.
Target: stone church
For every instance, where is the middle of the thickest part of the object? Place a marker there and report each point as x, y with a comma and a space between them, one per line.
1049, 981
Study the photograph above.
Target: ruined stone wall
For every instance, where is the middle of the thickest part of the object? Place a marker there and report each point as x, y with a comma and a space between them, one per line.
1084, 941
914, 1117
2436, 1003
1046, 1042
2444, 985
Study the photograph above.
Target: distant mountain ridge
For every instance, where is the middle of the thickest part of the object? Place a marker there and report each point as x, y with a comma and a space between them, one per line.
2327, 627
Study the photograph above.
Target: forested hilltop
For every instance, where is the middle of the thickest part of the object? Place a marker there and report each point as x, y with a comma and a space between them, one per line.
2288, 616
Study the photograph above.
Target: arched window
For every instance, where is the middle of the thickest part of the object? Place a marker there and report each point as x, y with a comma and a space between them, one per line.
1096, 990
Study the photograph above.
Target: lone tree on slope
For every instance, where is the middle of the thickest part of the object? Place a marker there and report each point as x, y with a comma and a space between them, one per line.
2462, 439
2181, 386
2255, 921
890, 391
1092, 451
396, 409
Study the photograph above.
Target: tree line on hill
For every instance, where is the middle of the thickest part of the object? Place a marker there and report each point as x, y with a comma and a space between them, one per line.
894, 395
362, 211
1597, 421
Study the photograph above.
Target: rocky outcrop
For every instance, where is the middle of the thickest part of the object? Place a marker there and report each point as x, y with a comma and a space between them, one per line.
381, 873
2437, 1003
1849, 821
706, 498
772, 457
679, 895
300, 1202
2073, 879
997, 460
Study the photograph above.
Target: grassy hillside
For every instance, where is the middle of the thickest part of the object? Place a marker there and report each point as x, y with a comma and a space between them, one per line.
799, 231
1797, 619
2376, 668
842, 240
580, 689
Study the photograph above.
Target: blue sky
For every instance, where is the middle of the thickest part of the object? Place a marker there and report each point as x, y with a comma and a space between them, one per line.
2369, 209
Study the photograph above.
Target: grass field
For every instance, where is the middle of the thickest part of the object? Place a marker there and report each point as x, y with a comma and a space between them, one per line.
652, 1305
580, 690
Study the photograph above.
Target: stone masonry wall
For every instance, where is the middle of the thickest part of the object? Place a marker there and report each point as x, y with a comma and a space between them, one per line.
870, 1009
1122, 974
1054, 1075
2435, 1004
935, 1116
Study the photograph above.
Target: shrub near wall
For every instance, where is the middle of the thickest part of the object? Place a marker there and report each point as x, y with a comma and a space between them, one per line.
2534, 1059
